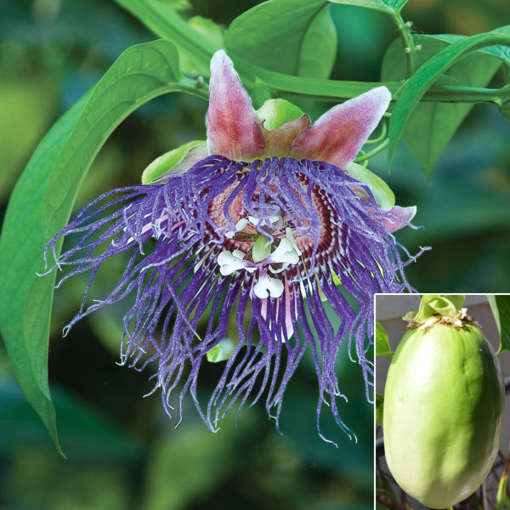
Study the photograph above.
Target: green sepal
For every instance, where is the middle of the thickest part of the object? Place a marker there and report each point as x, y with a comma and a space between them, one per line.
168, 162
448, 306
383, 195
221, 351
382, 345
379, 409
277, 112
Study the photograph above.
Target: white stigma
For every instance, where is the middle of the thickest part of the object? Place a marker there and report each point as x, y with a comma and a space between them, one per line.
267, 286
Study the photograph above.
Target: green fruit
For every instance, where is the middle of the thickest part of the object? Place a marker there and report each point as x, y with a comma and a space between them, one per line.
443, 413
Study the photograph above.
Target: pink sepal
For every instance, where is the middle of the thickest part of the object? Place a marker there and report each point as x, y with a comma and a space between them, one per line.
340, 133
232, 127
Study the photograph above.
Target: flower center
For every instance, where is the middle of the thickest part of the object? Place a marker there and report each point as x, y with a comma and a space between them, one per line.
267, 234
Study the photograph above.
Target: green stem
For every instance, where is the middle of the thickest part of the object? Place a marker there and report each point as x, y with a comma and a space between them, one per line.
373, 152
330, 90
382, 136
410, 49
469, 95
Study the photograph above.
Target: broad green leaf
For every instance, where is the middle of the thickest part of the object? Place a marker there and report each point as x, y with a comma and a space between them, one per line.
500, 305
318, 51
20, 259
421, 81
431, 125
388, 6
294, 37
42, 200
276, 112
381, 191
379, 409
501, 52
212, 33
382, 344
165, 22
168, 162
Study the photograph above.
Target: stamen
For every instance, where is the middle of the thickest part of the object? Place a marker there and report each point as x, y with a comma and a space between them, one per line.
231, 262
284, 253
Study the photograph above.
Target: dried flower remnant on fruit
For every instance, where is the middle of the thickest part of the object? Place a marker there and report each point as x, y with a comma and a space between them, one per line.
262, 226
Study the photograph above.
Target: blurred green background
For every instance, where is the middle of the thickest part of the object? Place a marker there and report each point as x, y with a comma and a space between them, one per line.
123, 452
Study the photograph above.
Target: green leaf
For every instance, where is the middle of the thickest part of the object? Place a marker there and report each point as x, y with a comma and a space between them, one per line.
501, 52
318, 51
431, 125
501, 309
42, 200
381, 191
169, 162
421, 81
388, 6
289, 36
382, 345
165, 22
20, 259
212, 34
379, 409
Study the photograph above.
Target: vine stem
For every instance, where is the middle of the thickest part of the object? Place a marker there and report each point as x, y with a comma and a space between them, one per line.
410, 49
382, 136
373, 152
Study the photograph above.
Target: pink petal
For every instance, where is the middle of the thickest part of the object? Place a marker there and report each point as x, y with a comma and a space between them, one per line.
232, 127
279, 140
340, 133
399, 217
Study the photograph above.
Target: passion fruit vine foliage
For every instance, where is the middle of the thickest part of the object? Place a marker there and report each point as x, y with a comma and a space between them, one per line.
281, 49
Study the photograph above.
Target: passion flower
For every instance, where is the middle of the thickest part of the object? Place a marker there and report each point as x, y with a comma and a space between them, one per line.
260, 225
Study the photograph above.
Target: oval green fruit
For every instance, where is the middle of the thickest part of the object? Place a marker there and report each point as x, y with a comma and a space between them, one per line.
443, 413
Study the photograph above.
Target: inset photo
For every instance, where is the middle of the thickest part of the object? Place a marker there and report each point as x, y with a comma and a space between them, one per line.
442, 416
